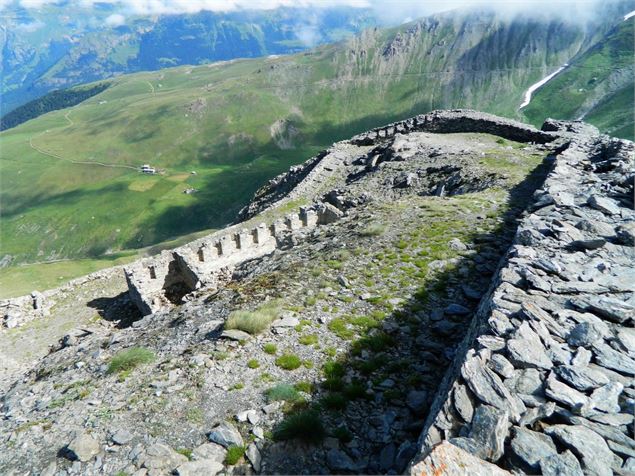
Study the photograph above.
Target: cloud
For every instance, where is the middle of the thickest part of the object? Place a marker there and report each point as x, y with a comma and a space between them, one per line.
395, 11
115, 19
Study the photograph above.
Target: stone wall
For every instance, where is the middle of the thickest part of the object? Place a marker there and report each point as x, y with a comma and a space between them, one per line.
544, 382
303, 180
457, 120
165, 279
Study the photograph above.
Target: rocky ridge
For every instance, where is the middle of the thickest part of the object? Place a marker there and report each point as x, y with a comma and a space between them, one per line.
373, 309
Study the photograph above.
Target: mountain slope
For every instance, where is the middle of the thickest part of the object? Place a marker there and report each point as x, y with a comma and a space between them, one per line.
57, 46
596, 87
240, 123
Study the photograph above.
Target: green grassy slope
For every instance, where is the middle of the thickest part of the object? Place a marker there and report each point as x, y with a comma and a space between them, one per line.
237, 124
597, 86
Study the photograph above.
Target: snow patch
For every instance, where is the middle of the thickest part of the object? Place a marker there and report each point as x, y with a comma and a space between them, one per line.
542, 82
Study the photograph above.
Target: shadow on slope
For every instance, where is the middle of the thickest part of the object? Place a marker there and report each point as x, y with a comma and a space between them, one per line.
375, 398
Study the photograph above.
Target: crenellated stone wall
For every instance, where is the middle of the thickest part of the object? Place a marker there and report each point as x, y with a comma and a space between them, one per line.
162, 280
544, 381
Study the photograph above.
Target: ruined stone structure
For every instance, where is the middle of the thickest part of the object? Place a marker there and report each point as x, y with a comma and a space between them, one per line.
159, 281
544, 381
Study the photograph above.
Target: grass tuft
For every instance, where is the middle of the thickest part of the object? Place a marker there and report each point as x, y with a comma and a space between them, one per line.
289, 362
254, 322
234, 454
305, 425
282, 392
129, 359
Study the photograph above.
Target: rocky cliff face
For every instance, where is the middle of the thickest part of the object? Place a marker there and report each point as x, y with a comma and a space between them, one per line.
473, 290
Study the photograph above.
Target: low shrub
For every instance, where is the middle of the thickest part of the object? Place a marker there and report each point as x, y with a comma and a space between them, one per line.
289, 362
308, 339
270, 348
304, 425
282, 392
334, 401
374, 229
254, 322
234, 454
253, 364
129, 359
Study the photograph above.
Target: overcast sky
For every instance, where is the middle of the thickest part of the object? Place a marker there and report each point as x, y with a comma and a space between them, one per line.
394, 10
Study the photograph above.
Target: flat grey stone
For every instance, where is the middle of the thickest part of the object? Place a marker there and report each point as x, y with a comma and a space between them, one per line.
609, 358
592, 244
387, 456
488, 387
532, 447
489, 430
417, 400
501, 366
629, 465
235, 334
604, 204
527, 351
159, 457
226, 434
534, 312
537, 413
595, 454
463, 403
564, 464
585, 334
337, 460
581, 378
623, 451
199, 467
527, 381
286, 322
610, 308
456, 310
626, 338
122, 437
582, 357
209, 451
606, 398
253, 455
562, 393
83, 448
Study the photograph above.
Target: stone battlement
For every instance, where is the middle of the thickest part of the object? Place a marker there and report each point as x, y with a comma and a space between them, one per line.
159, 281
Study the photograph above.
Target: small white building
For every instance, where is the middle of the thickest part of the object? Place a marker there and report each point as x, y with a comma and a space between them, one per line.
147, 169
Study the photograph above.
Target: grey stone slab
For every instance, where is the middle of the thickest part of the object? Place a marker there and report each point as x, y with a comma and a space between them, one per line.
531, 447
595, 454
581, 378
488, 387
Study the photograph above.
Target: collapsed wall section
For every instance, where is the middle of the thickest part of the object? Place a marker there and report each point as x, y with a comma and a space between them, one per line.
544, 382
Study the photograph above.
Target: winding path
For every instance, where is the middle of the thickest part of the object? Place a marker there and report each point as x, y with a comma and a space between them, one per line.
79, 162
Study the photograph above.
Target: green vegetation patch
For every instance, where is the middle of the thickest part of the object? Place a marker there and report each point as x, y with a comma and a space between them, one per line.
282, 392
304, 425
234, 454
289, 362
129, 359
255, 322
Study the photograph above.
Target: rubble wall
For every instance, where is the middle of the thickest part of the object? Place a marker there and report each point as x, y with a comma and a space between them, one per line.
544, 381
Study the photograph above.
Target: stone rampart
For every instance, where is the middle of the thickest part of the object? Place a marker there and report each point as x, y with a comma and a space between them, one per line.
544, 381
162, 280
457, 120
